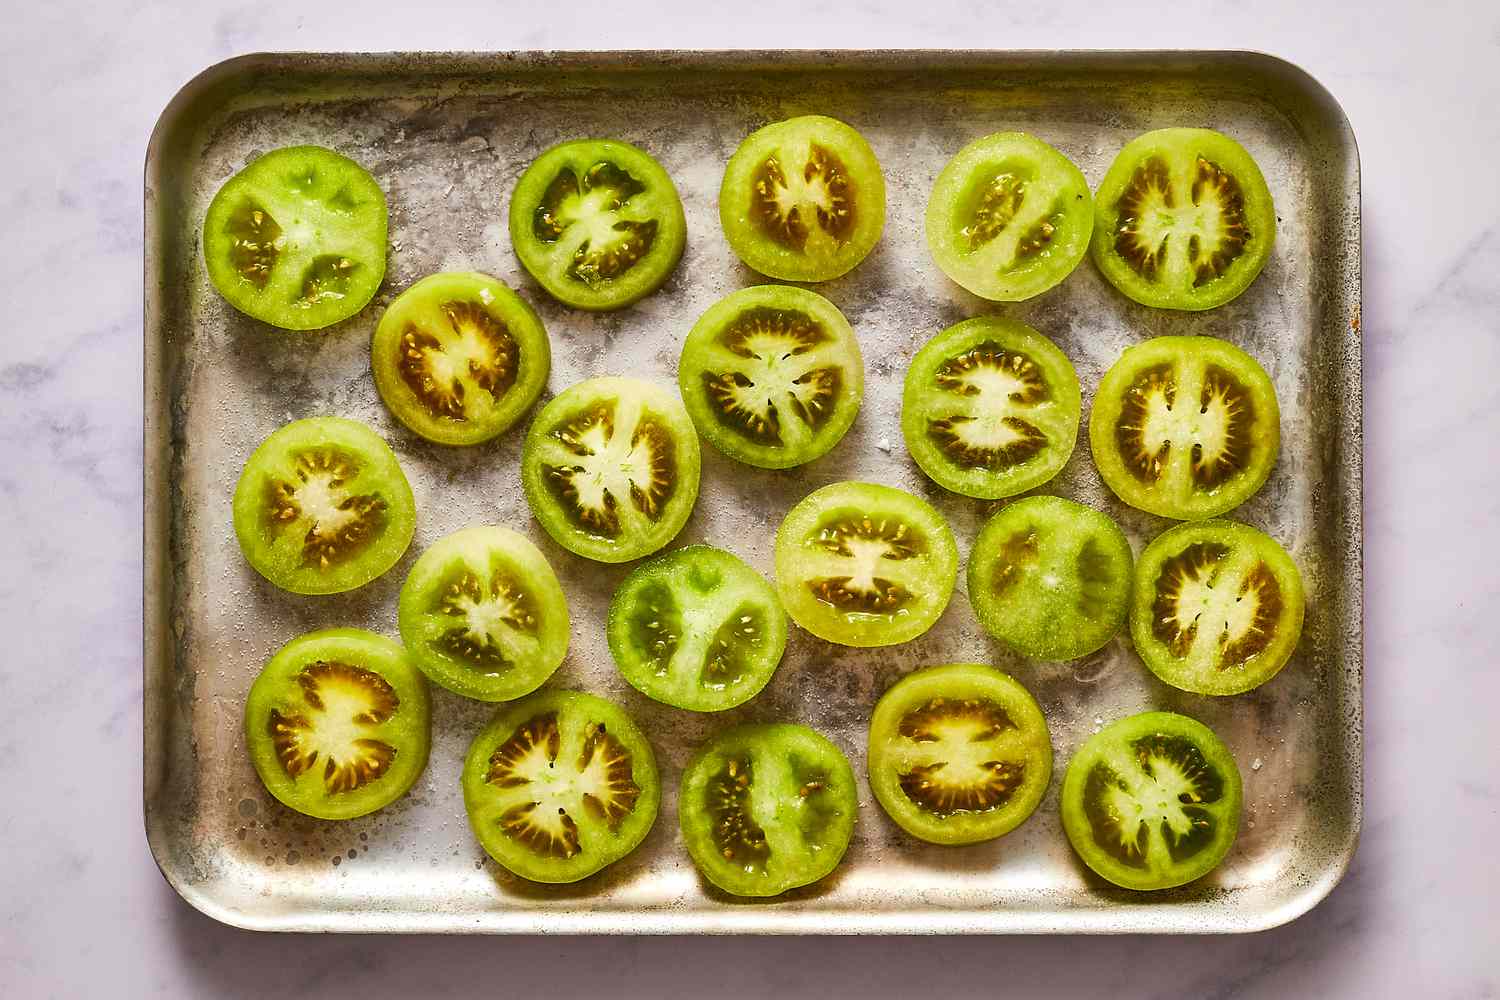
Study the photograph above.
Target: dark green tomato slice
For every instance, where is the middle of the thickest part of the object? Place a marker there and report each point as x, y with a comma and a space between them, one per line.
772, 375
767, 808
323, 507
598, 223
1183, 219
337, 723
610, 468
1185, 427
697, 629
1217, 608
1152, 801
560, 785
1009, 217
990, 408
959, 753
803, 199
1050, 578
458, 357
865, 565
483, 615
297, 238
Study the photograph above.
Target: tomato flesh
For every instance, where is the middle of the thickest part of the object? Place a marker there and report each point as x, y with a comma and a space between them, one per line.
803, 199
772, 375
610, 468
959, 753
1152, 801
483, 615
990, 408
1218, 607
865, 565
1009, 217
1183, 219
560, 785
337, 723
767, 808
697, 629
598, 223
459, 357
297, 238
322, 507
1185, 427
1050, 578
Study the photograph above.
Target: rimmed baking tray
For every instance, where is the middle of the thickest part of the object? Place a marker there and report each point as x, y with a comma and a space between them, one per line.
447, 136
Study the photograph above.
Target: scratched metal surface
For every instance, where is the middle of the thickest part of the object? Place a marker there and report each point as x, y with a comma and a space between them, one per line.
447, 136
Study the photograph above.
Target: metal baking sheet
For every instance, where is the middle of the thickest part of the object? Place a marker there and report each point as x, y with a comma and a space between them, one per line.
447, 136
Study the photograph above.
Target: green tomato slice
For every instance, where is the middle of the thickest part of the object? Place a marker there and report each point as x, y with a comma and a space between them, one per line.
337, 723
1152, 801
990, 408
1009, 217
803, 199
865, 565
597, 222
322, 507
297, 238
560, 785
610, 468
1183, 219
483, 615
772, 375
697, 629
1185, 427
959, 753
459, 357
1050, 578
1218, 607
767, 808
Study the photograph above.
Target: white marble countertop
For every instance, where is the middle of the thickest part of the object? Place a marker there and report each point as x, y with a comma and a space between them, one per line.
83, 910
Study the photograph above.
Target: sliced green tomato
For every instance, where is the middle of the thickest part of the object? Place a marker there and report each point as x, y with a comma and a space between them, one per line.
1218, 607
1050, 578
990, 408
865, 565
337, 723
767, 808
1009, 217
1152, 801
297, 238
959, 753
697, 629
598, 223
803, 199
458, 357
322, 507
1183, 219
560, 785
772, 375
610, 468
483, 615
1185, 427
